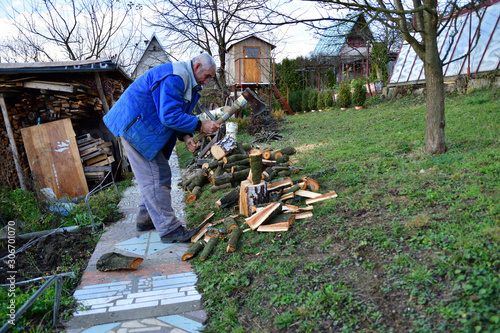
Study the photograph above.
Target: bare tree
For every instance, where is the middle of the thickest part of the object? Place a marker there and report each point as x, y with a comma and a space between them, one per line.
72, 29
420, 23
207, 25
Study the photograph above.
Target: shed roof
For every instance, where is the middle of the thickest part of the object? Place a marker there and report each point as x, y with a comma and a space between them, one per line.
251, 36
78, 66
483, 58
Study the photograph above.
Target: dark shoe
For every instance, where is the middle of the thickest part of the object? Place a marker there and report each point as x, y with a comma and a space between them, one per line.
180, 235
143, 222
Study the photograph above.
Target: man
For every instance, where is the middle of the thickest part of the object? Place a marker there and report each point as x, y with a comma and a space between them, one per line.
152, 112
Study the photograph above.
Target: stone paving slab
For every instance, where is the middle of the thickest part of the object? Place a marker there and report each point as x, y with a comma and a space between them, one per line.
160, 296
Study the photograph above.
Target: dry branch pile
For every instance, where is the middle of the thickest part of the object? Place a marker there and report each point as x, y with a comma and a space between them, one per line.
258, 187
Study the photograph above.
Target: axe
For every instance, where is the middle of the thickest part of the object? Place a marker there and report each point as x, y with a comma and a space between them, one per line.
247, 96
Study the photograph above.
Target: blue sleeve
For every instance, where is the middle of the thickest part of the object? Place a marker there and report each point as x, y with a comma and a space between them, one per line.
168, 97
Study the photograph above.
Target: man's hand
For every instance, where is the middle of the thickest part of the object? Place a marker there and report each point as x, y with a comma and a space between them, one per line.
209, 127
191, 145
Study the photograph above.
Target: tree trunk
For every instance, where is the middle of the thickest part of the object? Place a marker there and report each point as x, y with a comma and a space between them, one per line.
434, 119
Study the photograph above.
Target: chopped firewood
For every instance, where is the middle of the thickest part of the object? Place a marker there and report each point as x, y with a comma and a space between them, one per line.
304, 215
220, 187
288, 151
194, 249
116, 261
233, 239
223, 147
251, 195
279, 184
291, 189
312, 184
277, 224
264, 215
323, 197
208, 248
287, 196
234, 158
230, 223
228, 199
254, 151
231, 177
196, 237
194, 195
307, 194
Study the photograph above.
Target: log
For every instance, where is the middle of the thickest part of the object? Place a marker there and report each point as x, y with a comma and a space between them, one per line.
287, 196
254, 151
220, 187
240, 162
275, 155
116, 261
288, 151
231, 177
256, 168
194, 195
228, 199
266, 155
223, 147
240, 148
199, 179
282, 159
234, 158
208, 248
194, 249
230, 223
251, 195
234, 237
278, 223
293, 188
236, 168
264, 215
323, 197
246, 146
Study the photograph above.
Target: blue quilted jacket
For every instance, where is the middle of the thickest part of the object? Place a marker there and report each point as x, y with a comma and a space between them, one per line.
156, 109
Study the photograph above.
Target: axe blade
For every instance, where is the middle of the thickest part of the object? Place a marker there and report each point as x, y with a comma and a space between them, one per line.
256, 105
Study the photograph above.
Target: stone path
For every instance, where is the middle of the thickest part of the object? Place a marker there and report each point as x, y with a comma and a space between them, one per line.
158, 297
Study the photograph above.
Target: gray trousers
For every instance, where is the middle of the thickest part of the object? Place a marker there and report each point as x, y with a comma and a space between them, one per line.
154, 179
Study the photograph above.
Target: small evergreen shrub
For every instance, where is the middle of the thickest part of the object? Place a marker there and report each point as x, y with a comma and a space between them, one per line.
305, 100
329, 102
344, 97
359, 94
321, 100
313, 99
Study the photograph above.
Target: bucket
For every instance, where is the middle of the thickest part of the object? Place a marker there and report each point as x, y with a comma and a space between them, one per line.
231, 130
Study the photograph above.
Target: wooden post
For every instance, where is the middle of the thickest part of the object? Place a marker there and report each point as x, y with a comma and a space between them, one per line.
12, 141
102, 96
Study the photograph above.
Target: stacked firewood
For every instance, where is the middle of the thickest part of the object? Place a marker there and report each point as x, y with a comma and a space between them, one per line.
249, 176
96, 156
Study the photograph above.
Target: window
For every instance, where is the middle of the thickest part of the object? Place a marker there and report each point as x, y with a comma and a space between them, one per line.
251, 52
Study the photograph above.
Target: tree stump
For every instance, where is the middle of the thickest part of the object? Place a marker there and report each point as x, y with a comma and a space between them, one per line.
251, 195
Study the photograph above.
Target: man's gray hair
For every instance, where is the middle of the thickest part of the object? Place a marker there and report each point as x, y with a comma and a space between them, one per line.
205, 60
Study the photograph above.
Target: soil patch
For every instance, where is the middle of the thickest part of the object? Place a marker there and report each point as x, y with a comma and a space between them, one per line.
56, 253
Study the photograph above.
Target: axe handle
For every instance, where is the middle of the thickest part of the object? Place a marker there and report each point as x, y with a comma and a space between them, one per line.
228, 112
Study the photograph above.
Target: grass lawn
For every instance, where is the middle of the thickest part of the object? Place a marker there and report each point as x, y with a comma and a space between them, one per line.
411, 243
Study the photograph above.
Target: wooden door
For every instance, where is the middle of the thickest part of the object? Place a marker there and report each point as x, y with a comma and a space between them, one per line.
54, 158
251, 64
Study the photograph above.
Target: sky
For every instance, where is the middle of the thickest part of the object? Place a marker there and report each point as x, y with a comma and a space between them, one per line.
291, 41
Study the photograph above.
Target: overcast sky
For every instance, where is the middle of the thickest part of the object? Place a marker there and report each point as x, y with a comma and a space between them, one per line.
291, 41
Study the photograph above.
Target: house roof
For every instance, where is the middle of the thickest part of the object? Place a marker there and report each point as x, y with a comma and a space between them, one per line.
78, 66
251, 36
334, 38
483, 58
153, 37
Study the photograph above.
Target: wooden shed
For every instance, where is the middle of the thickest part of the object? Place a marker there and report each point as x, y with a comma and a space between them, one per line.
51, 129
249, 61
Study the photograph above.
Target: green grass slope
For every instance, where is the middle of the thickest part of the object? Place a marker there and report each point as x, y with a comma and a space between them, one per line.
410, 244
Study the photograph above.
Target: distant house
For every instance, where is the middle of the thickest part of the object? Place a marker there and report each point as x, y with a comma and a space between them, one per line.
348, 46
483, 58
249, 62
154, 54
